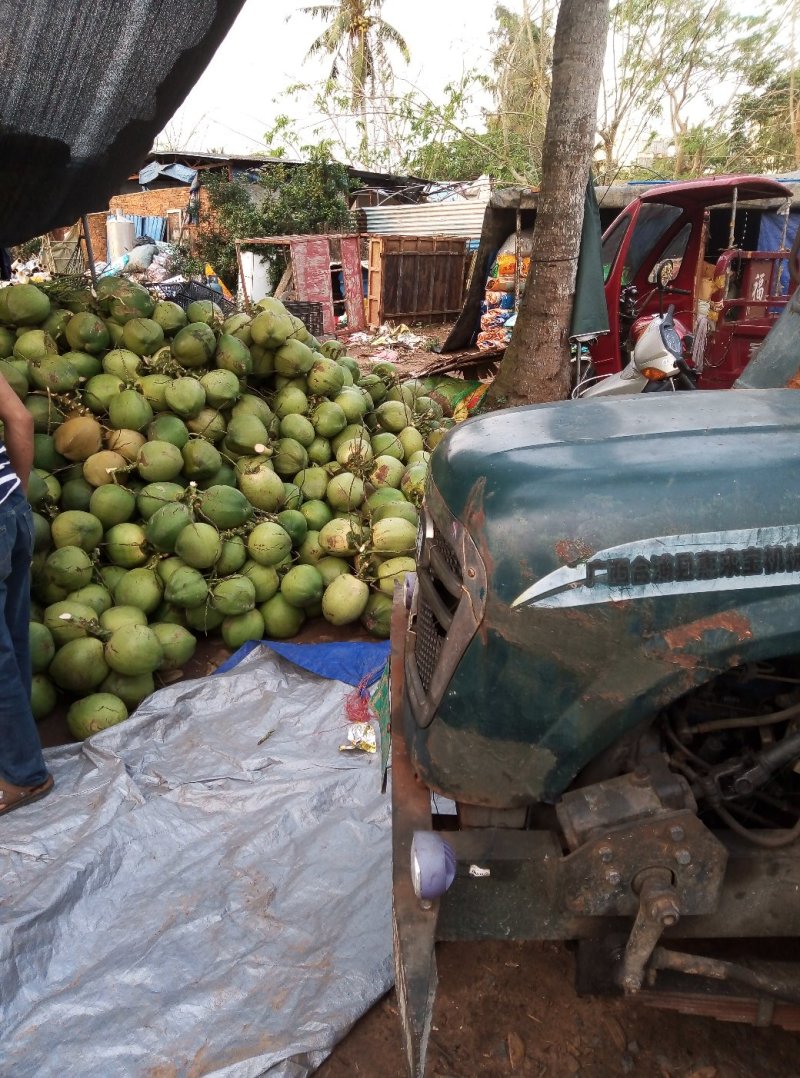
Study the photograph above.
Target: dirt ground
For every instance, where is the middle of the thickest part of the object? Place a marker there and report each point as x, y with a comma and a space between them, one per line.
510, 1008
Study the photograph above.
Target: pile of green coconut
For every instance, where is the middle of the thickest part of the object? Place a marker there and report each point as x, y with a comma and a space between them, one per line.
197, 474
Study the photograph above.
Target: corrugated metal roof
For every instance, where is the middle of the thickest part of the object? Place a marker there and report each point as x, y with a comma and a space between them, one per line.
431, 219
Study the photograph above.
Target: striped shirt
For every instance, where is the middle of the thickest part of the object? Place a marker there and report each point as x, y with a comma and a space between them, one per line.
9, 480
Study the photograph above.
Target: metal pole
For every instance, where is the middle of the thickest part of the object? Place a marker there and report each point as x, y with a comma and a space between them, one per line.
733, 216
89, 251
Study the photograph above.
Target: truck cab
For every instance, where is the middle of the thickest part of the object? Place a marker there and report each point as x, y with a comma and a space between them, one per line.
725, 265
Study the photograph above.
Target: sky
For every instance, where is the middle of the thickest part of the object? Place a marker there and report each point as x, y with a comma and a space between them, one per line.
234, 102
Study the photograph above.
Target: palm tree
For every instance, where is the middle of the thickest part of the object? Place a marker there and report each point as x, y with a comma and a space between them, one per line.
356, 37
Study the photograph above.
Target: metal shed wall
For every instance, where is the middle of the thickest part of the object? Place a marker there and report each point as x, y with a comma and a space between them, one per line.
461, 219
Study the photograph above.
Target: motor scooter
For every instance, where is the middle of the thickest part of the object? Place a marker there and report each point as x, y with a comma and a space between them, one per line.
659, 348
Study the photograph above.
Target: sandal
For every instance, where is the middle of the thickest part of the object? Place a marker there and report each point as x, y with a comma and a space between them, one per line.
13, 797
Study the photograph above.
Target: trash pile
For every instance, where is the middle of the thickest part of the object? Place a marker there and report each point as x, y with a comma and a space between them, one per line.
498, 309
193, 475
400, 336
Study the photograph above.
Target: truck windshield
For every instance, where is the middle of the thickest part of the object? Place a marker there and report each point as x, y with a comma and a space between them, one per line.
611, 244
651, 224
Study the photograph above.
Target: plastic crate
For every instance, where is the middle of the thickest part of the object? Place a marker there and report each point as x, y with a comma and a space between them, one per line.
190, 291
309, 313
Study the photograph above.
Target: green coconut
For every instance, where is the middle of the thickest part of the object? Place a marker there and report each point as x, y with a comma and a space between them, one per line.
126, 545
42, 646
130, 300
290, 401
186, 588
54, 374
344, 600
199, 545
43, 696
265, 579
233, 595
386, 471
261, 485
46, 413
177, 643
159, 461
341, 537
269, 543
345, 492
225, 507
329, 419
317, 513
377, 616
233, 355
169, 316
290, 457
77, 494
271, 328
17, 379
205, 310
201, 459
68, 620
76, 528
34, 345
238, 629
154, 495
140, 587
302, 586
185, 397
131, 690
393, 535
244, 433
413, 483
310, 552
194, 345
94, 713
153, 388
79, 665
320, 451
222, 388
325, 377
96, 596
393, 570
23, 305
166, 524
117, 617
168, 428
233, 556
209, 424
281, 619
122, 364
404, 510
85, 332
69, 567
134, 649
129, 410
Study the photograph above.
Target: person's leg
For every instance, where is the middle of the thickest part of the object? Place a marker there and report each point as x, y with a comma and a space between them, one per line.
21, 761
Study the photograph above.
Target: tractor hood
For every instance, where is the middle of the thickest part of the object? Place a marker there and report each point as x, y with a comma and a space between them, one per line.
632, 549
551, 485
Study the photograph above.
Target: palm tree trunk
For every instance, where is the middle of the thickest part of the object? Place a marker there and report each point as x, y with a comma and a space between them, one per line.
537, 362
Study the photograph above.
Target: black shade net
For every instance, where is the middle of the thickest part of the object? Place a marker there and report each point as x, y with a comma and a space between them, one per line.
85, 87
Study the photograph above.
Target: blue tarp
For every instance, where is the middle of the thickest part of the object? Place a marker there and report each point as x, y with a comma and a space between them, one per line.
358, 664
154, 227
153, 169
770, 235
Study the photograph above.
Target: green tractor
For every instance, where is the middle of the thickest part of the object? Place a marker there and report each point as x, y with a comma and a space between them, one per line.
598, 664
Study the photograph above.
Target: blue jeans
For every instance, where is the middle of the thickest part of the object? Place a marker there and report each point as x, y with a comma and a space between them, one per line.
21, 760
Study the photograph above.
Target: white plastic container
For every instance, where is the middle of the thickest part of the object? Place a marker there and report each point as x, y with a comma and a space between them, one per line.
120, 237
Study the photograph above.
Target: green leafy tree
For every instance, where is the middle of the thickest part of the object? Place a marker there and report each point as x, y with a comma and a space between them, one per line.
285, 200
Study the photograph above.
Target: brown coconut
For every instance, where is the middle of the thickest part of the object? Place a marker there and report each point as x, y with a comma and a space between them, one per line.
99, 468
78, 438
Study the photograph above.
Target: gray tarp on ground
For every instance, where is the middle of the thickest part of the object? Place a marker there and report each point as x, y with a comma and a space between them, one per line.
188, 901
85, 88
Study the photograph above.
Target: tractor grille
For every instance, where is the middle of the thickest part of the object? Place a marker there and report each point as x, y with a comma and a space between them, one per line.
440, 593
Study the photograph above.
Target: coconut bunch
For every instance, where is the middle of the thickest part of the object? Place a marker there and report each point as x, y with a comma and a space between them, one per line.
196, 474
